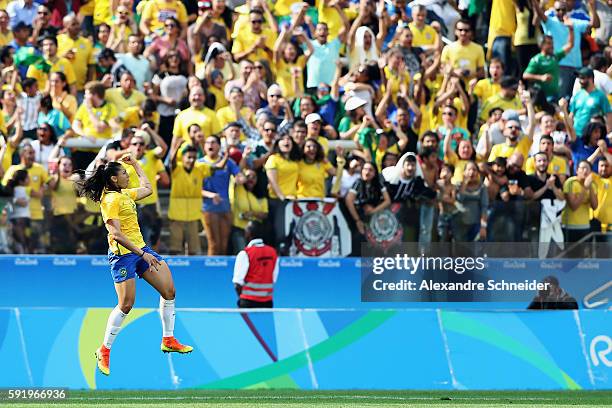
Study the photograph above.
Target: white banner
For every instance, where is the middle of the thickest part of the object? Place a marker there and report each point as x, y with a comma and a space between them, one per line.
317, 228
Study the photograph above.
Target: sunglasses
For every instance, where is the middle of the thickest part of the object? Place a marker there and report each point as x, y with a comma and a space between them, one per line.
137, 144
448, 113
464, 30
258, 67
560, 10
269, 130
44, 13
256, 21
512, 127
276, 96
170, 25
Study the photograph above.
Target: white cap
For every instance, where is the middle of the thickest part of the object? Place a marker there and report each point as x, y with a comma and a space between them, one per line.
312, 117
354, 102
144, 135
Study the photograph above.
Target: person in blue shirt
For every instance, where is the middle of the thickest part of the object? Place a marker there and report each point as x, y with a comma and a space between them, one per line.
216, 207
589, 102
557, 29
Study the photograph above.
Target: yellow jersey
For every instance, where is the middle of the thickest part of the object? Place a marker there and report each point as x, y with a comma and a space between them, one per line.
6, 38
311, 179
38, 177
242, 201
284, 77
120, 206
427, 37
152, 166
117, 98
227, 115
486, 88
246, 39
604, 199
83, 57
186, 192
59, 65
505, 150
64, 198
470, 56
496, 101
206, 118
131, 118
158, 11
556, 166
104, 113
581, 217
286, 174
459, 165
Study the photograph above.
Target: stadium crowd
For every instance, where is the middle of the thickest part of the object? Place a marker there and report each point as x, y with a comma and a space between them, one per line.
468, 120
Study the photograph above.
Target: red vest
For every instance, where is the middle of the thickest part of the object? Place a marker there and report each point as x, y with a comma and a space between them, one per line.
259, 280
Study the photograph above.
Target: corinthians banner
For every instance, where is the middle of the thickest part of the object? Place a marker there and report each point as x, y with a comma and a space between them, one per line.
316, 228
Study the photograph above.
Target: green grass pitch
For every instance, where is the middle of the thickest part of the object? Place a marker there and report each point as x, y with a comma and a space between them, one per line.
332, 399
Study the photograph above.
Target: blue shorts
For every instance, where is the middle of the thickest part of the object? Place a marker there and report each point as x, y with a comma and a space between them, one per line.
124, 267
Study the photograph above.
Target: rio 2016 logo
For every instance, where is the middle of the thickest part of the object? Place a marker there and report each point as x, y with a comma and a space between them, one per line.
600, 355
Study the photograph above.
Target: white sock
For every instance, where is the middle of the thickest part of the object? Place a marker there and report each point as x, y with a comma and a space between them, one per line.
166, 312
113, 326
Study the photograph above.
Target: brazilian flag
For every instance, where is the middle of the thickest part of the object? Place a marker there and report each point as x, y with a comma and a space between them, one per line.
27, 56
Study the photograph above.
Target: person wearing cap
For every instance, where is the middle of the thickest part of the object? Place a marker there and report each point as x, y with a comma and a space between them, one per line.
506, 98
512, 134
51, 63
543, 68
599, 63
556, 27
589, 102
355, 112
110, 67
314, 126
150, 160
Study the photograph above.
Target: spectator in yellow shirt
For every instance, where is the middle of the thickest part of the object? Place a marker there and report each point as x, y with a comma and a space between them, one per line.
196, 113
63, 100
6, 35
556, 165
424, 36
512, 133
506, 98
313, 171
155, 14
64, 202
255, 43
581, 197
53, 63
464, 56
78, 50
603, 181
483, 89
236, 110
126, 96
93, 121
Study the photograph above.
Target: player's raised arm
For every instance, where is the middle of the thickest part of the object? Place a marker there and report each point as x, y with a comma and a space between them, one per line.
144, 189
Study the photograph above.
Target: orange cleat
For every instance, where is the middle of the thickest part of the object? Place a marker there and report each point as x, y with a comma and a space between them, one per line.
172, 345
103, 357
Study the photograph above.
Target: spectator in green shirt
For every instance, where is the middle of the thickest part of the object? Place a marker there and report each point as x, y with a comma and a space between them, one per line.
543, 68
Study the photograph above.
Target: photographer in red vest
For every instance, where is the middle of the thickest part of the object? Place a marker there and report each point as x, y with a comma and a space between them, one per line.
255, 270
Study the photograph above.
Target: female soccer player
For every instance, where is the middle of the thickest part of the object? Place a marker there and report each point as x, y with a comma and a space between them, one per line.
128, 255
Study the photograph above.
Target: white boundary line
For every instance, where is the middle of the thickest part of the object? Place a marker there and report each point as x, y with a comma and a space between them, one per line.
24, 349
313, 376
447, 350
583, 344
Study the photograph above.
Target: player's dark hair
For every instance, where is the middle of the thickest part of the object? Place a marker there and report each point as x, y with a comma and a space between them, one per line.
547, 137
93, 186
